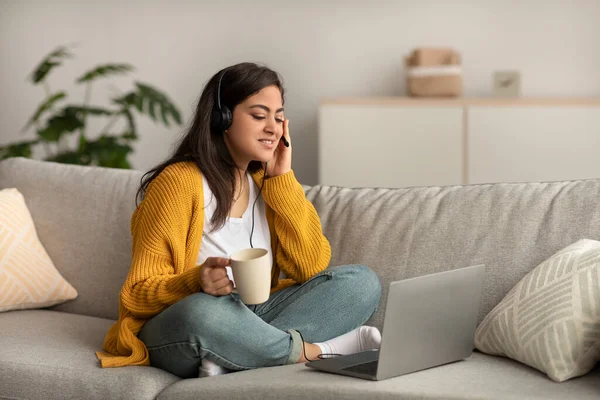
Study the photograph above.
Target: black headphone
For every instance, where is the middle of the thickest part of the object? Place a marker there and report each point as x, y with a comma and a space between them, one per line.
220, 117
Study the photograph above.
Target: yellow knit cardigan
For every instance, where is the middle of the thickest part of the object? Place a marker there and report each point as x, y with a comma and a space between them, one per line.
166, 230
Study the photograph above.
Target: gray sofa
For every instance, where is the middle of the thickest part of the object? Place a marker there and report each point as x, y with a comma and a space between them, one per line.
82, 217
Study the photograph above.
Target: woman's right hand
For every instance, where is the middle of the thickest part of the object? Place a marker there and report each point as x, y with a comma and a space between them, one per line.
213, 276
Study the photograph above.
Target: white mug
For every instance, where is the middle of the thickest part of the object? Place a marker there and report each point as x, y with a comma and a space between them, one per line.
251, 269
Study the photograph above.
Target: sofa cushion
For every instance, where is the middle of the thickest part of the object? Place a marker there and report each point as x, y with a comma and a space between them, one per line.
551, 319
509, 227
479, 377
50, 355
82, 216
28, 278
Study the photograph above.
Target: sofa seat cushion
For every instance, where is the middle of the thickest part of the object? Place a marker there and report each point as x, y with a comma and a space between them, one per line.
50, 355
479, 377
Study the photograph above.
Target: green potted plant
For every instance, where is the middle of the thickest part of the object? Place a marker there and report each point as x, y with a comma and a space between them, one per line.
55, 120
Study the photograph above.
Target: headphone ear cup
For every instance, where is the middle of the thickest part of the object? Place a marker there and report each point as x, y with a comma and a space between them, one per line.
226, 118
220, 119
215, 119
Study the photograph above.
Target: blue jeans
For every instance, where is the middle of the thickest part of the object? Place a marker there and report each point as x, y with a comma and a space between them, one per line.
240, 337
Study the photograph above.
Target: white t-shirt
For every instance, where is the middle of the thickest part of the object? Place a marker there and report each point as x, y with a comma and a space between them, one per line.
235, 234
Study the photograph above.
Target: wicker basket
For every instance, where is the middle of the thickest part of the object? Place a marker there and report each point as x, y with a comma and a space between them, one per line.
433, 72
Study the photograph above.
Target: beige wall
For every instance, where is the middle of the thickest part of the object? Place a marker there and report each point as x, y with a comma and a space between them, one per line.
322, 49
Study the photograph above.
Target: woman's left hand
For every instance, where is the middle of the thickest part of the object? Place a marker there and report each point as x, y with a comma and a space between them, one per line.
281, 162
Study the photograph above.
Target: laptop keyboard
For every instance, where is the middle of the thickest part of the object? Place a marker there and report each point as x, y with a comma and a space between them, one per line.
369, 368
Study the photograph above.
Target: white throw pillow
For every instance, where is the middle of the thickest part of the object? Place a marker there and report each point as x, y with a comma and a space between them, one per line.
28, 278
551, 319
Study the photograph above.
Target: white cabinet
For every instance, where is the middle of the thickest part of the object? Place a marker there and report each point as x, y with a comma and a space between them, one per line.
401, 142
390, 146
533, 143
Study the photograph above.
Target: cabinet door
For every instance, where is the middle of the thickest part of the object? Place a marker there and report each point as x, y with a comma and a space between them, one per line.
532, 143
390, 146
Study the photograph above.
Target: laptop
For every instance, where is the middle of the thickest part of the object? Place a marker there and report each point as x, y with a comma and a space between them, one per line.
429, 321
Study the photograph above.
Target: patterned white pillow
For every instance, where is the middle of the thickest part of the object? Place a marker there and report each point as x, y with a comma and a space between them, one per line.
551, 319
28, 278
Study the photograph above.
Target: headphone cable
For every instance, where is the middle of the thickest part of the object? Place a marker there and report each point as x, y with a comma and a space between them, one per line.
255, 200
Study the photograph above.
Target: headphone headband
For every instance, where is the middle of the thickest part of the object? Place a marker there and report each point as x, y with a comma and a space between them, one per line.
219, 88
220, 117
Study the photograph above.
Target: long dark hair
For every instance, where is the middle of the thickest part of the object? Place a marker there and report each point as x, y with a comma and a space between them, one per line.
206, 147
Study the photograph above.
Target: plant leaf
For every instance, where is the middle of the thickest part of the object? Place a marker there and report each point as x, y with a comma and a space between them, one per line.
45, 106
126, 100
138, 101
69, 157
131, 121
21, 149
48, 63
89, 110
105, 70
152, 109
164, 114
66, 121
82, 143
129, 136
106, 151
153, 98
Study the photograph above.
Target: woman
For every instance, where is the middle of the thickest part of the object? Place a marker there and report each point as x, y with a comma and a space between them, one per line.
228, 186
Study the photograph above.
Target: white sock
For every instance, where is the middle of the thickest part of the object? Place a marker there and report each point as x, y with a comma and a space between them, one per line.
360, 339
209, 368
